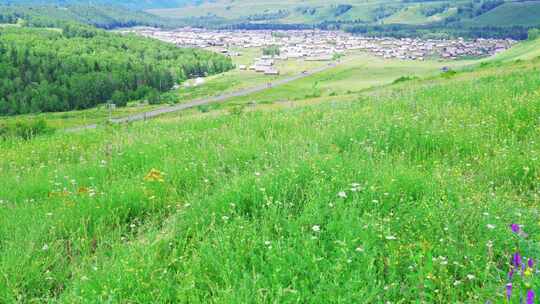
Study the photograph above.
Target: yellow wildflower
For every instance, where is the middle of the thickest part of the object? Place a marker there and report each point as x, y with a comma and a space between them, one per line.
155, 176
83, 190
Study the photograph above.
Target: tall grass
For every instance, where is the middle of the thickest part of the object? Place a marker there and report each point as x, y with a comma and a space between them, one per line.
387, 198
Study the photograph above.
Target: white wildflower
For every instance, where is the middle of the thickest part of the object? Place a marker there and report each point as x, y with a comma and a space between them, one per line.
490, 226
342, 194
316, 228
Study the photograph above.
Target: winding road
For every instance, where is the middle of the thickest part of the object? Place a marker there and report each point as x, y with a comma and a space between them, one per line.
208, 100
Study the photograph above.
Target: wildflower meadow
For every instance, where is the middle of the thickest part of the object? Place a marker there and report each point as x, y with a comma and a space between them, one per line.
426, 191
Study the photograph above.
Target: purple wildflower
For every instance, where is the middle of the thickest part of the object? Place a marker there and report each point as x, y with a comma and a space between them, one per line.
511, 273
530, 296
515, 228
530, 263
508, 291
517, 260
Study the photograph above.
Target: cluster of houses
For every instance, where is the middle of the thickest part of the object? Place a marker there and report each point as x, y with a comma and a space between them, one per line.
418, 49
264, 64
324, 45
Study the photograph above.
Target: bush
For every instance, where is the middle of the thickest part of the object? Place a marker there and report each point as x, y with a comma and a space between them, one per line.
449, 74
153, 97
204, 108
25, 129
272, 50
404, 79
236, 110
119, 99
534, 34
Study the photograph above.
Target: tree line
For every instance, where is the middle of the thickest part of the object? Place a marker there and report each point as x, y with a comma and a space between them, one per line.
44, 70
106, 17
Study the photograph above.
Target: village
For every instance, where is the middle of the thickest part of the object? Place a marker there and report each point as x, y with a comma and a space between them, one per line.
318, 45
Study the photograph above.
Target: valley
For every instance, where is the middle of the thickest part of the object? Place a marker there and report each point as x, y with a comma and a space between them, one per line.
178, 151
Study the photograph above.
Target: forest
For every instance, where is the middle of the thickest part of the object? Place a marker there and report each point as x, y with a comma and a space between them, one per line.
107, 17
78, 67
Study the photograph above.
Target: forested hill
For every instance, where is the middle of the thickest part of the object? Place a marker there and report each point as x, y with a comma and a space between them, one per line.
106, 17
134, 4
79, 67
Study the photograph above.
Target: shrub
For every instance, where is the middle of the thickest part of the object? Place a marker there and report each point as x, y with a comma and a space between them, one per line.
153, 97
119, 99
204, 108
404, 79
272, 50
25, 129
236, 110
449, 74
534, 34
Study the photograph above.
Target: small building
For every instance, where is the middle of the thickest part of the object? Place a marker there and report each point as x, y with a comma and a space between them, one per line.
271, 72
326, 57
265, 62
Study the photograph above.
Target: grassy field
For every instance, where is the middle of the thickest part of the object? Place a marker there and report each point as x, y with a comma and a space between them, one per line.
65, 120
523, 51
359, 72
237, 79
401, 196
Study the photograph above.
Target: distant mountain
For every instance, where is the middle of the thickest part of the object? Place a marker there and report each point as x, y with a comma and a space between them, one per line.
133, 4
399, 18
376, 12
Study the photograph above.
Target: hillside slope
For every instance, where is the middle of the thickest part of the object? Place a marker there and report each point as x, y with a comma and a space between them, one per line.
102, 16
402, 195
483, 12
509, 14
523, 51
134, 4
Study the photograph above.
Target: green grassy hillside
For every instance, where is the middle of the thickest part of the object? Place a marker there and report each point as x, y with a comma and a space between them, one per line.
377, 11
516, 13
134, 4
402, 194
96, 15
313, 11
523, 51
